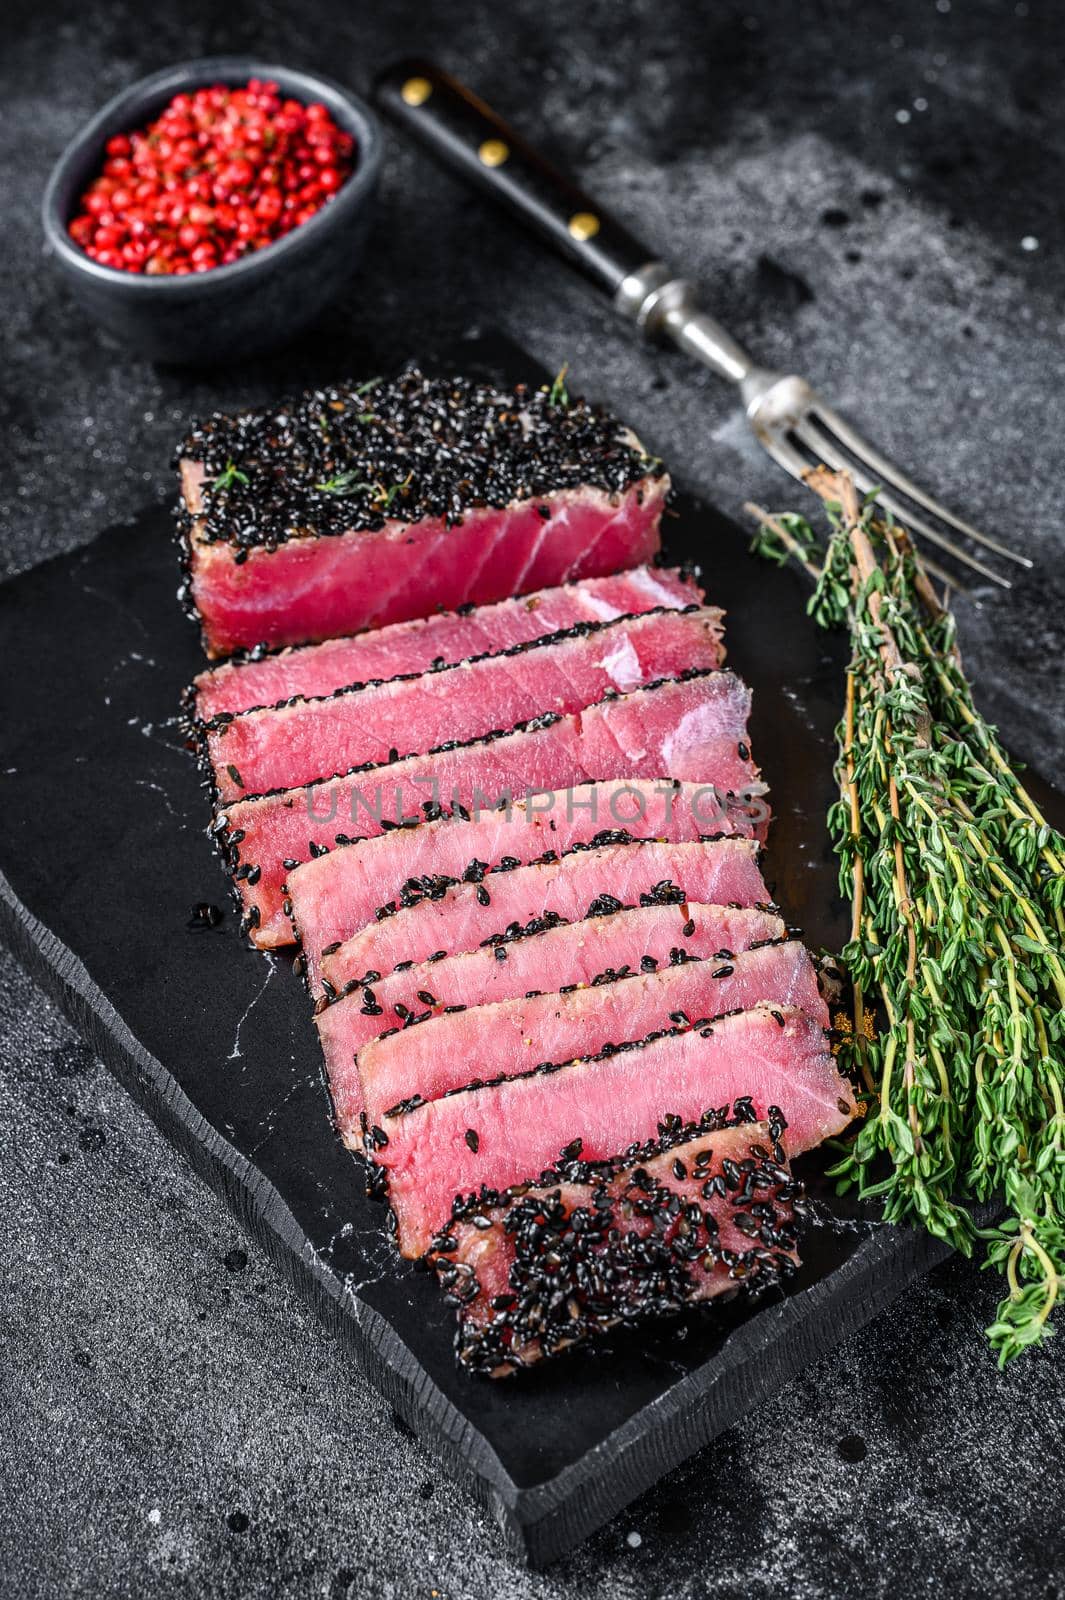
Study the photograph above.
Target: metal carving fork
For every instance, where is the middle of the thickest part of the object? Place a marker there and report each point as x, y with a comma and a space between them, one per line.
789, 418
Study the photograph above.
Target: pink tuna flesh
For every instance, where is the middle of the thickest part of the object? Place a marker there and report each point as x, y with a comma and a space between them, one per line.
279, 747
490, 1043
450, 636
694, 729
312, 588
594, 1244
575, 953
339, 893
504, 1134
565, 889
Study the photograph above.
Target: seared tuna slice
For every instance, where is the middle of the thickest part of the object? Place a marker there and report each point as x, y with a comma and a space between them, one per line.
693, 728
449, 636
571, 956
356, 507
565, 888
278, 747
597, 1245
773, 1056
339, 893
494, 1042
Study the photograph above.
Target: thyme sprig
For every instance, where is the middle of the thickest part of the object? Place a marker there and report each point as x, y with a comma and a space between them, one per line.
558, 394
343, 483
229, 476
349, 483
957, 888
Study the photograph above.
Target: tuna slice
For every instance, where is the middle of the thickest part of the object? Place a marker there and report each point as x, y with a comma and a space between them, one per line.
597, 1245
693, 728
341, 511
575, 953
495, 1042
339, 893
450, 636
567, 888
278, 747
504, 1134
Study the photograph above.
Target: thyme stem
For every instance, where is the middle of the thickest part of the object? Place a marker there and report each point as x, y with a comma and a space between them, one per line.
957, 938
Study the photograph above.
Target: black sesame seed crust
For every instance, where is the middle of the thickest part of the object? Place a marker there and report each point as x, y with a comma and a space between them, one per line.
198, 728
578, 1271
547, 719
227, 838
400, 449
434, 886
702, 1025
665, 893
609, 975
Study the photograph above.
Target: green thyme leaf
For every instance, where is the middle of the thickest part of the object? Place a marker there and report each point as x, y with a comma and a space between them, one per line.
344, 483
385, 496
957, 885
558, 394
229, 477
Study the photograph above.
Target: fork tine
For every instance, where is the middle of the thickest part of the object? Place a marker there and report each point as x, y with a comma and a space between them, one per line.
948, 579
821, 444
894, 479
784, 454
925, 529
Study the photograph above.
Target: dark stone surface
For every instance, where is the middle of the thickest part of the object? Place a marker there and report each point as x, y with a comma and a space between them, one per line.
173, 1421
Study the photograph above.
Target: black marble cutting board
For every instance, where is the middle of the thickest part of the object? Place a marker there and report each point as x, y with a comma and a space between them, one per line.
103, 854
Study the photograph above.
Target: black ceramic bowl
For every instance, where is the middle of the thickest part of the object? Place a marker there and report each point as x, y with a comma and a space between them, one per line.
253, 304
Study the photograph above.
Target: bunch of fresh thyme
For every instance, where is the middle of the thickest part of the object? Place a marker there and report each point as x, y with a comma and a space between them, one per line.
957, 949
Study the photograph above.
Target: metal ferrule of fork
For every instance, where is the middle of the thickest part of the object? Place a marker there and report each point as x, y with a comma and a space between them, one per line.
788, 418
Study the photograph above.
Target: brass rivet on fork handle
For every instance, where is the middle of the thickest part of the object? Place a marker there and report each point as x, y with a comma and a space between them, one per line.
416, 91
787, 416
493, 153
583, 225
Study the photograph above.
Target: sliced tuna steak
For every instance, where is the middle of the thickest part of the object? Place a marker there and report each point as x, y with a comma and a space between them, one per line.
595, 1245
501, 1135
450, 636
279, 747
494, 1042
577, 953
694, 729
562, 889
342, 511
339, 893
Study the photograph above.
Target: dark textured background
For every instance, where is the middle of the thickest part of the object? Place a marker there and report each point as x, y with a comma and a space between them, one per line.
871, 193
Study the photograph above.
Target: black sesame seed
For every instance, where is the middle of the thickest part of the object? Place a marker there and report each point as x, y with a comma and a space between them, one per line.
501, 446
204, 915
